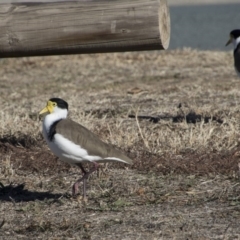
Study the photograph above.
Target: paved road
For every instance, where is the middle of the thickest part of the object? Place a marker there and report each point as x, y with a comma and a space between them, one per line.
199, 2
203, 26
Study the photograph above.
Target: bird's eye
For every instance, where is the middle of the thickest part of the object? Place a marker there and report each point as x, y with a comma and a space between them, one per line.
54, 104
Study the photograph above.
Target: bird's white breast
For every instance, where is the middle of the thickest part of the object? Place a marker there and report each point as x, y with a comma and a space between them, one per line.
236, 42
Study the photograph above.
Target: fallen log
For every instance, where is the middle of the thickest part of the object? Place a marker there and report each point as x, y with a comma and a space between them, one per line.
75, 27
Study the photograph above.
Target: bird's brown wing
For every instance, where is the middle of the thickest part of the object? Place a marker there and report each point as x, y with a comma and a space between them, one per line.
88, 140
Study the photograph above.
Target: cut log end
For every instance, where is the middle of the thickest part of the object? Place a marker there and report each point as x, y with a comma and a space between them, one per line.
164, 23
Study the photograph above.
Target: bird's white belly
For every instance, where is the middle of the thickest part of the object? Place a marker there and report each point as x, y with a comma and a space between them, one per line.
68, 151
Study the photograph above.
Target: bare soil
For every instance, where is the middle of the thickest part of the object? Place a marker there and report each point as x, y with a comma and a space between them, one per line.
175, 113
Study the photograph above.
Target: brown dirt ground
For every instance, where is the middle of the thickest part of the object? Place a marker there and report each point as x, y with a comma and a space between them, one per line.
184, 183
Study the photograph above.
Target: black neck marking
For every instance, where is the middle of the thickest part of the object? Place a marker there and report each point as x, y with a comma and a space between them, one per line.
52, 130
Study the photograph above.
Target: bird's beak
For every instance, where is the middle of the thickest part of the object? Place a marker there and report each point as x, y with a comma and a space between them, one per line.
44, 110
47, 109
229, 41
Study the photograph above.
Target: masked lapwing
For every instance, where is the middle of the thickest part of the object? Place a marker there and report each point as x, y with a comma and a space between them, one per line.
235, 40
75, 144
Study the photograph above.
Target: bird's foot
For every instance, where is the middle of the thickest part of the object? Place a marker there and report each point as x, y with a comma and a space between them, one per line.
75, 189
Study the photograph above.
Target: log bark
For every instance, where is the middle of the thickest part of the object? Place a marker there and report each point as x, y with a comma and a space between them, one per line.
90, 26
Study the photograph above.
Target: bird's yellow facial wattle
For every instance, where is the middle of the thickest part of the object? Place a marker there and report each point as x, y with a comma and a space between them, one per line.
230, 40
49, 108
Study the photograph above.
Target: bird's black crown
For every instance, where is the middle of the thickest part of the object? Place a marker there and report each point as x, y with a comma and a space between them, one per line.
235, 33
60, 103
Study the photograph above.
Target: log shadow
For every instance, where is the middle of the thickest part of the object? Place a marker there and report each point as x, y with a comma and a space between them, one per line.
191, 117
17, 193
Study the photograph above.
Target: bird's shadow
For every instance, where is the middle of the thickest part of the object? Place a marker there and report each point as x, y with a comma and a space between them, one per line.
11, 193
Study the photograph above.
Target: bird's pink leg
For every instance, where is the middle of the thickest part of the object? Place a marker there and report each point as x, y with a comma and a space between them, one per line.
83, 179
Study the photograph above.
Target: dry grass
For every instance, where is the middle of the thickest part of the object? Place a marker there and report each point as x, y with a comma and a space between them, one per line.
185, 179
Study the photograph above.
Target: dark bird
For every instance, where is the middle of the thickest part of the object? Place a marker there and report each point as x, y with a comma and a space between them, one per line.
235, 40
